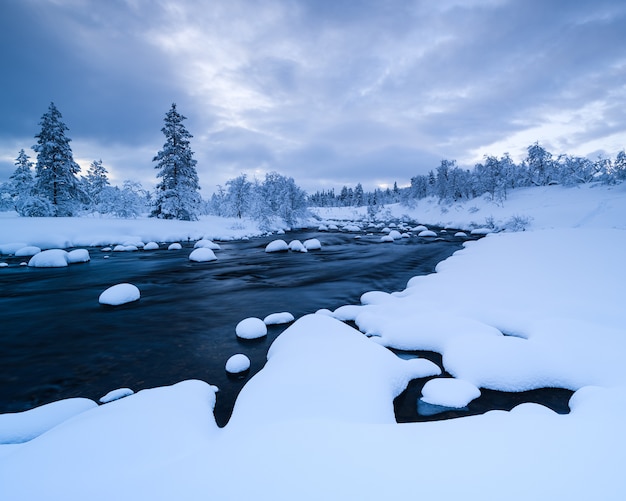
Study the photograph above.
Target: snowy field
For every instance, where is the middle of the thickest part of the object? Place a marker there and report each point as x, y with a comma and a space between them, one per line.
512, 311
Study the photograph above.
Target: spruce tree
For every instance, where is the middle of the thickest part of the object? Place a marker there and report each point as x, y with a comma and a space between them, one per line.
56, 170
177, 194
96, 183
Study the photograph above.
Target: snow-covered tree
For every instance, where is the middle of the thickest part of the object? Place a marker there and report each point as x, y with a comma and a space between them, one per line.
95, 183
177, 195
541, 166
239, 196
56, 180
21, 183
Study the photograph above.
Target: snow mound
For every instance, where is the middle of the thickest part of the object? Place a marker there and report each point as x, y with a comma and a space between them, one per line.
52, 258
119, 294
405, 235
12, 247
352, 227
151, 246
237, 363
449, 392
312, 244
460, 234
202, 255
426, 233
78, 256
277, 246
19, 427
395, 234
418, 228
386, 239
116, 395
206, 244
4, 265
322, 227
251, 328
125, 248
297, 246
28, 251
175, 246
278, 318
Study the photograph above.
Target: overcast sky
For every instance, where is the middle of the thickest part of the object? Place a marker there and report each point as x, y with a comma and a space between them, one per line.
329, 92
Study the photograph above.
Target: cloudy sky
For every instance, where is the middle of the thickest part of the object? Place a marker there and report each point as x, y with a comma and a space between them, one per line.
329, 92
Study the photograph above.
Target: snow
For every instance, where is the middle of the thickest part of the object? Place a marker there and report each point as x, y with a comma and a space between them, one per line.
207, 244
175, 246
427, 233
202, 255
449, 392
514, 311
51, 258
237, 363
116, 395
151, 246
119, 294
387, 239
312, 244
27, 251
21, 427
251, 328
278, 245
395, 235
125, 248
297, 246
278, 318
78, 256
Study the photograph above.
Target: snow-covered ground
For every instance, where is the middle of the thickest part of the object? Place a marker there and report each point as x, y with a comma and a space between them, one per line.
512, 311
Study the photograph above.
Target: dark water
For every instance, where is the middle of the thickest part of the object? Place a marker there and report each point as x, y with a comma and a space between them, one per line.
56, 341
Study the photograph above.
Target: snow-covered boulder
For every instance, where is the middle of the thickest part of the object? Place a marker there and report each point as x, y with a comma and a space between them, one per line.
395, 234
481, 231
312, 244
28, 251
202, 255
11, 248
322, 227
116, 395
427, 234
460, 234
278, 318
418, 228
78, 256
278, 245
151, 246
4, 265
251, 328
205, 243
237, 363
449, 392
175, 246
125, 248
297, 246
405, 235
119, 294
19, 427
352, 227
386, 239
51, 258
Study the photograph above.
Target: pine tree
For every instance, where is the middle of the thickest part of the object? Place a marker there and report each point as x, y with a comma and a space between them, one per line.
56, 170
96, 182
22, 183
177, 194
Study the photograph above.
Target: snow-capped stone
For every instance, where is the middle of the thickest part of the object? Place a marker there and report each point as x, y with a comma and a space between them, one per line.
280, 232
4, 265
28, 251
427, 233
151, 246
78, 256
51, 258
386, 229
460, 234
352, 227
119, 294
11, 248
481, 231
449, 392
278, 318
202, 255
251, 328
237, 363
125, 248
297, 246
175, 246
405, 235
312, 244
395, 234
205, 243
277, 246
386, 238
19, 427
116, 395
106, 249
418, 228
322, 227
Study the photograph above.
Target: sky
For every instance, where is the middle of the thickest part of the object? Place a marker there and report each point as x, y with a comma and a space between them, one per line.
329, 92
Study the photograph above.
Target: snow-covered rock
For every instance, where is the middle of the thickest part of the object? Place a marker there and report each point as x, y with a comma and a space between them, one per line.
206, 244
387, 239
481, 231
460, 234
11, 247
125, 248
18, 427
202, 255
297, 246
278, 245
51, 258
237, 363
28, 251
151, 246
119, 294
175, 246
278, 318
418, 228
251, 328
395, 234
78, 256
449, 392
427, 234
116, 395
312, 244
